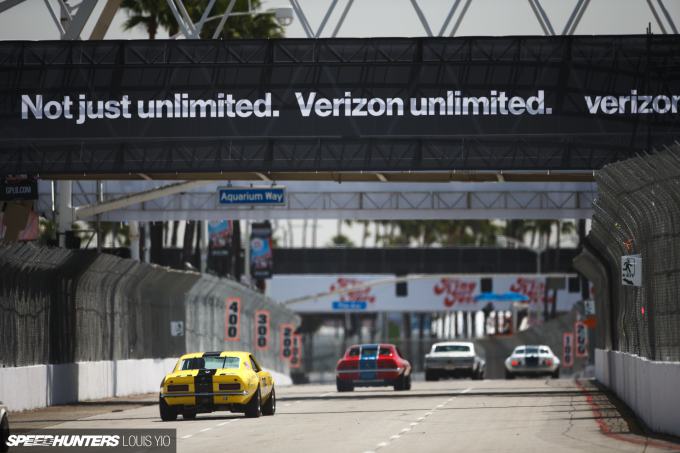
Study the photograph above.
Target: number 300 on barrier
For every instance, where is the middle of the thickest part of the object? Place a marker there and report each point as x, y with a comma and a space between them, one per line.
232, 329
262, 330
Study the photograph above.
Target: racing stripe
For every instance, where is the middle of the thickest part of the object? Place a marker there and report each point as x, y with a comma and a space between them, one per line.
368, 364
203, 383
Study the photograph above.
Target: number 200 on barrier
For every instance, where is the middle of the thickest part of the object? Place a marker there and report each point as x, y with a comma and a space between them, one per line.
287, 331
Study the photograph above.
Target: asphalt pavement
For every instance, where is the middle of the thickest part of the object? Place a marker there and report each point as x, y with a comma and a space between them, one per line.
524, 415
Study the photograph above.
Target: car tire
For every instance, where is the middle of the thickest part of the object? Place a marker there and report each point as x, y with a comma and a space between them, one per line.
556, 374
269, 407
168, 413
4, 434
254, 406
407, 382
400, 383
189, 416
430, 376
509, 375
343, 386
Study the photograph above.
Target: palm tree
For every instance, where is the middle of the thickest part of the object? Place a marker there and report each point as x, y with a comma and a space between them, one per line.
562, 228
245, 26
152, 14
341, 240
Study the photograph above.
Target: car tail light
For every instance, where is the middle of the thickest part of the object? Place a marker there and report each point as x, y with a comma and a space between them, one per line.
514, 363
354, 365
178, 388
386, 364
230, 386
549, 362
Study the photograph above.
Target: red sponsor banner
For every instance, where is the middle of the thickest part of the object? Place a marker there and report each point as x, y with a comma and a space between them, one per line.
296, 358
567, 349
456, 291
287, 332
232, 329
262, 330
363, 294
581, 339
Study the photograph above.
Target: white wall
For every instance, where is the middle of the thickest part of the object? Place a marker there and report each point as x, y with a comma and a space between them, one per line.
33, 387
649, 388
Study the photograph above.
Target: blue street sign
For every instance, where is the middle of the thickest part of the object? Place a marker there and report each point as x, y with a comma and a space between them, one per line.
350, 305
229, 196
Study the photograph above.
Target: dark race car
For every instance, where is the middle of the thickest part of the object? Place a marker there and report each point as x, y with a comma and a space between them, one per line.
373, 365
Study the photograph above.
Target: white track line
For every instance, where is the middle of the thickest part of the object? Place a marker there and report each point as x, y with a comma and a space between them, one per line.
420, 419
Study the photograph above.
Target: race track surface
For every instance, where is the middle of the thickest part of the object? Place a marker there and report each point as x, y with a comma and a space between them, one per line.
524, 415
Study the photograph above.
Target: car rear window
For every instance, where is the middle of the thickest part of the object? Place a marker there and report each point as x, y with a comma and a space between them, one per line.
532, 350
385, 351
452, 348
544, 351
519, 351
210, 363
370, 351
354, 352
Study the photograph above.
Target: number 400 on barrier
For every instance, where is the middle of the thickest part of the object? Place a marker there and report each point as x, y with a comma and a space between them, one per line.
232, 330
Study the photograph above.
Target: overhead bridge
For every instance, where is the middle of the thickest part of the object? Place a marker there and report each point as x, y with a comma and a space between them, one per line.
327, 200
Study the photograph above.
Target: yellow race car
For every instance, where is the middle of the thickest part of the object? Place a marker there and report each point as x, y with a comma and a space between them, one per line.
204, 382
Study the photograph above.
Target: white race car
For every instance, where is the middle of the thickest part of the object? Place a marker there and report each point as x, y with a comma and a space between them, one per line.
532, 360
455, 359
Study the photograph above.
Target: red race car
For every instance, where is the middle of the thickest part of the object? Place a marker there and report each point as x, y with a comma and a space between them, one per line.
373, 365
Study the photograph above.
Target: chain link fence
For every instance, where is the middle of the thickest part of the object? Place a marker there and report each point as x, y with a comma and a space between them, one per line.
65, 306
638, 212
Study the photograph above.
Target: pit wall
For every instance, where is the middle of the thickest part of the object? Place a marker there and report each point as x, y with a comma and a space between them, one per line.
648, 387
33, 387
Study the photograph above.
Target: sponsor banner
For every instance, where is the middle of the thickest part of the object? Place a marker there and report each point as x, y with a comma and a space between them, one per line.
287, 332
631, 270
364, 293
262, 330
236, 196
18, 187
567, 349
296, 358
426, 91
92, 440
264, 105
261, 250
232, 329
581, 339
219, 234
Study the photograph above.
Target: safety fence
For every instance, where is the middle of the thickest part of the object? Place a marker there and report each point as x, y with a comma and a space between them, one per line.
637, 211
65, 306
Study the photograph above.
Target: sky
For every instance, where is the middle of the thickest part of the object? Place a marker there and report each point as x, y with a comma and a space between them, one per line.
31, 20
390, 18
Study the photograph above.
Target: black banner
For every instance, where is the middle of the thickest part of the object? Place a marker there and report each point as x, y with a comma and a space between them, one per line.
261, 250
18, 187
334, 104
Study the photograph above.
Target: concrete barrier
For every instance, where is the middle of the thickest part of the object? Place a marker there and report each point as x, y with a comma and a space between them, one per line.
34, 387
649, 388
